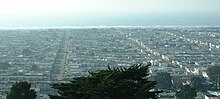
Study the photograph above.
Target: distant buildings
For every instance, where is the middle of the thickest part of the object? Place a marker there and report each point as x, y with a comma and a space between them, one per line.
60, 54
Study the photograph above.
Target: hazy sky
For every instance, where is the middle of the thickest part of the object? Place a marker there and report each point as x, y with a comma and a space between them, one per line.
38, 13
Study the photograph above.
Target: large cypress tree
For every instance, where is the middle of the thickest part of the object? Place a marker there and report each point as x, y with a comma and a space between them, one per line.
118, 83
21, 90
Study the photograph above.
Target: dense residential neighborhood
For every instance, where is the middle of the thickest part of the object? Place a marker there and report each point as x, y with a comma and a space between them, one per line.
45, 56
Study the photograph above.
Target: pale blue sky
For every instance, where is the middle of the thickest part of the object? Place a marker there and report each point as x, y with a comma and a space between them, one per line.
39, 13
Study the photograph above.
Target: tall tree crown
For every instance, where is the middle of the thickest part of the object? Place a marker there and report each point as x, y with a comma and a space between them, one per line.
124, 83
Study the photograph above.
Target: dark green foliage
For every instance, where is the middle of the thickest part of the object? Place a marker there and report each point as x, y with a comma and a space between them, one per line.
164, 80
21, 90
199, 83
186, 92
119, 83
214, 75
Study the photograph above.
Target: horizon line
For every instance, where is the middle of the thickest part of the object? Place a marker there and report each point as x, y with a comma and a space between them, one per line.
105, 26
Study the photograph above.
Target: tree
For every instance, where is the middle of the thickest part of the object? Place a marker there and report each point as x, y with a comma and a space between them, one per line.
21, 90
214, 75
118, 83
164, 80
199, 83
186, 92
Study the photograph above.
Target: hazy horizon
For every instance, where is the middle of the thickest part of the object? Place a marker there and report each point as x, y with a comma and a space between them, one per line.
46, 13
